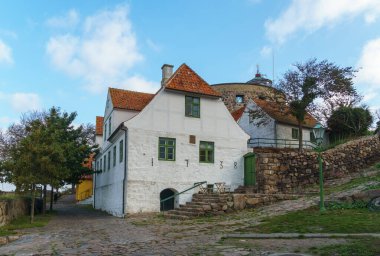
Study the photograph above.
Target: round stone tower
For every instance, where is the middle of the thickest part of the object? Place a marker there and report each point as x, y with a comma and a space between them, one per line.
235, 95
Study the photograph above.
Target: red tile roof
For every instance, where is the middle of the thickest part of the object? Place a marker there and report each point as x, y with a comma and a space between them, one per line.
238, 113
282, 113
130, 100
185, 79
99, 125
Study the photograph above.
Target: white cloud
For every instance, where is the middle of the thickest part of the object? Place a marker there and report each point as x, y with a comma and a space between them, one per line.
69, 20
266, 51
369, 63
138, 83
102, 54
311, 15
369, 76
5, 53
23, 102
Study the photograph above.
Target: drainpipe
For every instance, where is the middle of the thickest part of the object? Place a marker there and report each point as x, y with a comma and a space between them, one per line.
125, 129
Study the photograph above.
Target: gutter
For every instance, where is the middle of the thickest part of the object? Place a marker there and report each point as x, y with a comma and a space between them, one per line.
125, 129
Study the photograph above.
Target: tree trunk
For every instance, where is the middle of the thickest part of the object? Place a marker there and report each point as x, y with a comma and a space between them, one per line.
33, 203
51, 198
300, 149
56, 198
44, 200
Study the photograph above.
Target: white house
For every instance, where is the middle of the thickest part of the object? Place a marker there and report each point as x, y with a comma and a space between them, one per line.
271, 124
154, 145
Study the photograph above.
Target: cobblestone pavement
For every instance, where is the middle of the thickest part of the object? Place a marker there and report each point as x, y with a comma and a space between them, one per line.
78, 230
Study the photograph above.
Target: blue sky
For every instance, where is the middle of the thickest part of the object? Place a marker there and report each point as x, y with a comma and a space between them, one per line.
66, 53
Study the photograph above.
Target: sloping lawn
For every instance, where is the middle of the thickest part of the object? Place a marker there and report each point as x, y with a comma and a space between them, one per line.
357, 247
312, 221
24, 222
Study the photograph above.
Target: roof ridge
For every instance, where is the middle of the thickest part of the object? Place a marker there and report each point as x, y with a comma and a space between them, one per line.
125, 90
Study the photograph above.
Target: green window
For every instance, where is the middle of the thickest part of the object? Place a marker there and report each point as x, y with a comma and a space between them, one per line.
114, 156
206, 152
192, 106
166, 149
105, 132
121, 151
105, 164
295, 133
109, 161
101, 164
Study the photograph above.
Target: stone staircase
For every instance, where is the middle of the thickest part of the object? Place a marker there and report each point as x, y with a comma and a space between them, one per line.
246, 190
201, 205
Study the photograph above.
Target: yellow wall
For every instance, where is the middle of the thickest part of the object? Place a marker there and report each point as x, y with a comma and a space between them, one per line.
84, 190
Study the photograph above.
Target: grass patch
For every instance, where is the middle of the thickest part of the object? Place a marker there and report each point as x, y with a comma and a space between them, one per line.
24, 222
353, 183
357, 247
355, 220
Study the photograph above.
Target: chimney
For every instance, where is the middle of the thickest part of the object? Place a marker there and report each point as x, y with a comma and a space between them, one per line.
167, 72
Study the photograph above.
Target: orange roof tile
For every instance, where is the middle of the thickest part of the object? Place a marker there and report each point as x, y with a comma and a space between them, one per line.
99, 125
282, 113
124, 99
238, 113
185, 79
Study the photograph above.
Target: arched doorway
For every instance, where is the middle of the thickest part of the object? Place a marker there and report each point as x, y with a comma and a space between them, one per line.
168, 204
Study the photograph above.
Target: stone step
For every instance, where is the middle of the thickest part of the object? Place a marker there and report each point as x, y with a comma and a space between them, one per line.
210, 197
175, 216
185, 213
209, 200
189, 209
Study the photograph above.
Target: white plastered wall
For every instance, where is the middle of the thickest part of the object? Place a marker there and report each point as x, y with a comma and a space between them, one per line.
165, 117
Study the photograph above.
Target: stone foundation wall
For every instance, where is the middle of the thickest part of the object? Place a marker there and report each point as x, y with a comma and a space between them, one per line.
11, 209
289, 172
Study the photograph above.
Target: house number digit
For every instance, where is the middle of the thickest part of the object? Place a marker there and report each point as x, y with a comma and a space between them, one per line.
235, 165
221, 164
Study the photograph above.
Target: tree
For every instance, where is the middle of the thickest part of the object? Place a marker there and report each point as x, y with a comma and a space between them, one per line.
45, 149
314, 80
350, 122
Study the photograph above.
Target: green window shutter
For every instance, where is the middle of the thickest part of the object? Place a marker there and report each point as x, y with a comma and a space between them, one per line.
166, 149
121, 151
206, 152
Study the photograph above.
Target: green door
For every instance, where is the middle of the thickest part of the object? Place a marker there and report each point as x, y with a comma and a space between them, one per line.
249, 169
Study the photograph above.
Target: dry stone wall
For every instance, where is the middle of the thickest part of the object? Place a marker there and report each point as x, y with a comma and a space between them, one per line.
289, 172
11, 209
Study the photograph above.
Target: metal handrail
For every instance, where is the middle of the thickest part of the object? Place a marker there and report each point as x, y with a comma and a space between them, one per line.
196, 184
257, 142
